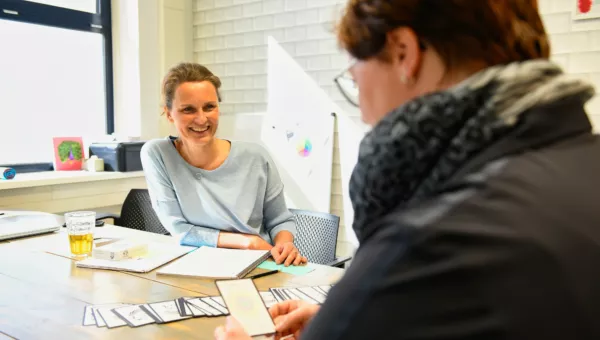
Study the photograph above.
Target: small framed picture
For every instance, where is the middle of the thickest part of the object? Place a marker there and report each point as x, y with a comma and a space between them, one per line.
68, 153
586, 9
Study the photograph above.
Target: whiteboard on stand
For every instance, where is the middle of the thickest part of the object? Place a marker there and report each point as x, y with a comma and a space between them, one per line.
298, 131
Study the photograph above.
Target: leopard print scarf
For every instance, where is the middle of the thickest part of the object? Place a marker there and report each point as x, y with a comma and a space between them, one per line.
416, 148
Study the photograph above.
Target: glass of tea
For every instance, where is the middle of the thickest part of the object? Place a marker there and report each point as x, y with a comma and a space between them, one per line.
80, 227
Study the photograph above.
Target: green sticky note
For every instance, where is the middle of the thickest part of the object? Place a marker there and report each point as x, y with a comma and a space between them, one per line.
294, 270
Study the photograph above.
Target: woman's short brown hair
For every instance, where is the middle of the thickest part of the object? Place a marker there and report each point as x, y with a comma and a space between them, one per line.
183, 73
493, 31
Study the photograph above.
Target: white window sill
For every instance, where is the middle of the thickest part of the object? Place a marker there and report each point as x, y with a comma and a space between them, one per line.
36, 179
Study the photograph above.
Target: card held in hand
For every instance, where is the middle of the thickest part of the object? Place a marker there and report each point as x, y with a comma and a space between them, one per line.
245, 304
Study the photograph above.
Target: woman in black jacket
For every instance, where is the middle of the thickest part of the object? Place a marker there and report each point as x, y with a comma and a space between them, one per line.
476, 194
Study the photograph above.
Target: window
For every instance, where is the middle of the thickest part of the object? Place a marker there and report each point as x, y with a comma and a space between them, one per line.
55, 77
89, 6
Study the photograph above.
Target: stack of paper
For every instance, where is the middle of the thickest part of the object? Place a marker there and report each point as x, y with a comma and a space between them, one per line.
132, 315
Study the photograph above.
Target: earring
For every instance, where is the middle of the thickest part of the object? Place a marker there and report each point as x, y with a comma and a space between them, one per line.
405, 79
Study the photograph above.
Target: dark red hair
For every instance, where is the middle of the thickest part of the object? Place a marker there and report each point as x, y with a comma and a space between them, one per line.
492, 31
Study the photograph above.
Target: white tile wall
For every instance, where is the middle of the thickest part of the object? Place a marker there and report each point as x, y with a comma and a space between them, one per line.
230, 39
575, 46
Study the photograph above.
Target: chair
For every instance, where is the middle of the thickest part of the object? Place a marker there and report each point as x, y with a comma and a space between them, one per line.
317, 237
137, 213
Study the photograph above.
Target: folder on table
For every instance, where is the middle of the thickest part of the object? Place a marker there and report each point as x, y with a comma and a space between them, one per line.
157, 255
216, 263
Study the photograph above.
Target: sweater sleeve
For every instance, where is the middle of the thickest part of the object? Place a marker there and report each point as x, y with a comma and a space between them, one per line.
277, 216
165, 203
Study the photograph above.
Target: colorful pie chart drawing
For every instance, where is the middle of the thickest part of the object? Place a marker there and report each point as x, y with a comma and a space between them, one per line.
304, 147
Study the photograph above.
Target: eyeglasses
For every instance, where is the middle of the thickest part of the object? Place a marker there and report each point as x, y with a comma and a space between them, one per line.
347, 86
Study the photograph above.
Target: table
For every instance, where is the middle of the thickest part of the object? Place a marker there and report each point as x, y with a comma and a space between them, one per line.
44, 292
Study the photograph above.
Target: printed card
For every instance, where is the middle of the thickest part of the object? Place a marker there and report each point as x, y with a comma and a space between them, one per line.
313, 293
291, 294
302, 296
196, 312
146, 308
186, 309
278, 295
216, 305
205, 307
134, 316
325, 289
110, 318
219, 300
167, 311
99, 320
268, 298
88, 317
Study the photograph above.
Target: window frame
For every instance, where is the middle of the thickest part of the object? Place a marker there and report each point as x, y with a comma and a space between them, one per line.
53, 16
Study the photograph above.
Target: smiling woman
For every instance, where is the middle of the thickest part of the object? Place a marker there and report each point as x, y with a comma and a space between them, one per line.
210, 191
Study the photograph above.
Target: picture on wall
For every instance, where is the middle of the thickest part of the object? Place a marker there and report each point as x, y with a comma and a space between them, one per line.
68, 153
587, 9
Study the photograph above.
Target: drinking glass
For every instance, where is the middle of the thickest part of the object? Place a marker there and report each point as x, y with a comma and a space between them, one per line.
80, 227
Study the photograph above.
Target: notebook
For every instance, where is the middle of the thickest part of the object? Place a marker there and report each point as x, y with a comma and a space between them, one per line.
216, 263
157, 255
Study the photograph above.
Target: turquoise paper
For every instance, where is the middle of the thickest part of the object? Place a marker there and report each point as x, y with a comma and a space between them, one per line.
294, 270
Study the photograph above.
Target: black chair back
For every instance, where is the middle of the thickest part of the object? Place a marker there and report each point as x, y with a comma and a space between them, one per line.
317, 235
137, 213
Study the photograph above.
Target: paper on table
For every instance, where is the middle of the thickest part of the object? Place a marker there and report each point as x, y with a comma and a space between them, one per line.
294, 270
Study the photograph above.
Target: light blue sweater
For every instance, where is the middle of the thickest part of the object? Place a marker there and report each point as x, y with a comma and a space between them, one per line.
244, 194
